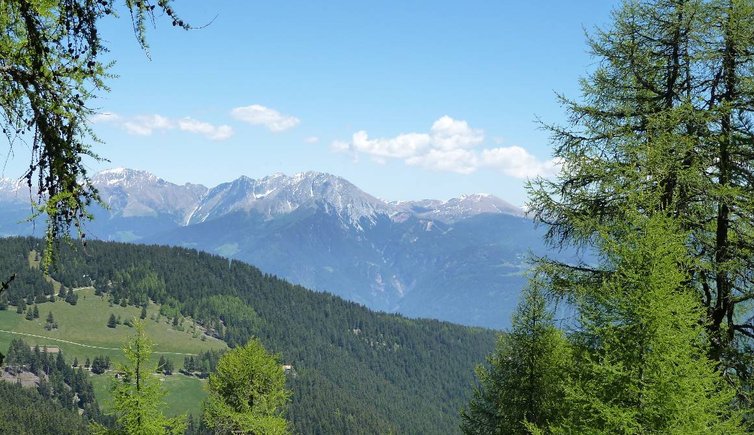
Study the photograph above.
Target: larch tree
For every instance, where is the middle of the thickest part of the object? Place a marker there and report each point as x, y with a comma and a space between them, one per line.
640, 350
137, 396
247, 393
665, 124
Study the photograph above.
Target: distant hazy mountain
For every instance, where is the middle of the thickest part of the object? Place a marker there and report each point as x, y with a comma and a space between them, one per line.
132, 193
456, 209
461, 260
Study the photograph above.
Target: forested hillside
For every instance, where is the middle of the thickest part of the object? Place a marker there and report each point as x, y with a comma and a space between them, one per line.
25, 411
353, 370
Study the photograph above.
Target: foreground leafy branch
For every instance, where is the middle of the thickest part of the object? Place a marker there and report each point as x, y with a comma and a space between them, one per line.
51, 68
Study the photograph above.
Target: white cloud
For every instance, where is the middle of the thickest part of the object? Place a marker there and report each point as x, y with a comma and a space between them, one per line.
104, 117
456, 160
340, 146
401, 146
259, 115
311, 139
450, 145
212, 132
449, 134
517, 162
146, 125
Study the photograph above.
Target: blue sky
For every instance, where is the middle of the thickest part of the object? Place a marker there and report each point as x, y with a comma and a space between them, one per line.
406, 99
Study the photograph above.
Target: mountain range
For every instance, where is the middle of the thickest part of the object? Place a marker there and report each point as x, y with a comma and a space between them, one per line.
462, 260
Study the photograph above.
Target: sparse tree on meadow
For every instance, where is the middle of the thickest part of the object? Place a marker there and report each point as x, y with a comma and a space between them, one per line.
137, 396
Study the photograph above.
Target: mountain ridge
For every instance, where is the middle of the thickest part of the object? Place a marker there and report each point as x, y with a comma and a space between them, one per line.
198, 203
461, 260
301, 189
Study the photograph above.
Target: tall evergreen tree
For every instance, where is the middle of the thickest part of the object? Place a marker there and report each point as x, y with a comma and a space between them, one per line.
641, 364
137, 397
667, 113
525, 377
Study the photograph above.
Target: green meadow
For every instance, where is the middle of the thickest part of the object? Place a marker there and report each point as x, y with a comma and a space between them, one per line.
83, 333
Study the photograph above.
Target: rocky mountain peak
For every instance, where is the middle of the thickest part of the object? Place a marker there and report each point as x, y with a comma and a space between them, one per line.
140, 193
456, 209
14, 190
134, 193
278, 194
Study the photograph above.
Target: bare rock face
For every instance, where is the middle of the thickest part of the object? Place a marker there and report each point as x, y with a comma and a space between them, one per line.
131, 193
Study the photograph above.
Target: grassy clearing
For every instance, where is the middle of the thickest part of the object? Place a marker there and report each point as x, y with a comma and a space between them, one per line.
83, 333
185, 394
86, 324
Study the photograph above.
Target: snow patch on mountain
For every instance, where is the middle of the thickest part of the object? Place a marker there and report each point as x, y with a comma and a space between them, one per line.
456, 209
135, 193
280, 194
15, 191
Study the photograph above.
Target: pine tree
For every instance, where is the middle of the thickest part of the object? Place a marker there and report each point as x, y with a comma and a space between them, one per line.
50, 324
525, 377
35, 311
72, 298
112, 321
641, 366
99, 365
60, 364
188, 363
168, 367
143, 312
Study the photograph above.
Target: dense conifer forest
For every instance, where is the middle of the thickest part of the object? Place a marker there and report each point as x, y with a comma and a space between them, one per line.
60, 401
353, 370
24, 410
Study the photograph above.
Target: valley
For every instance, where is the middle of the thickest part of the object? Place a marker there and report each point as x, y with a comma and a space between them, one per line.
462, 260
353, 370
